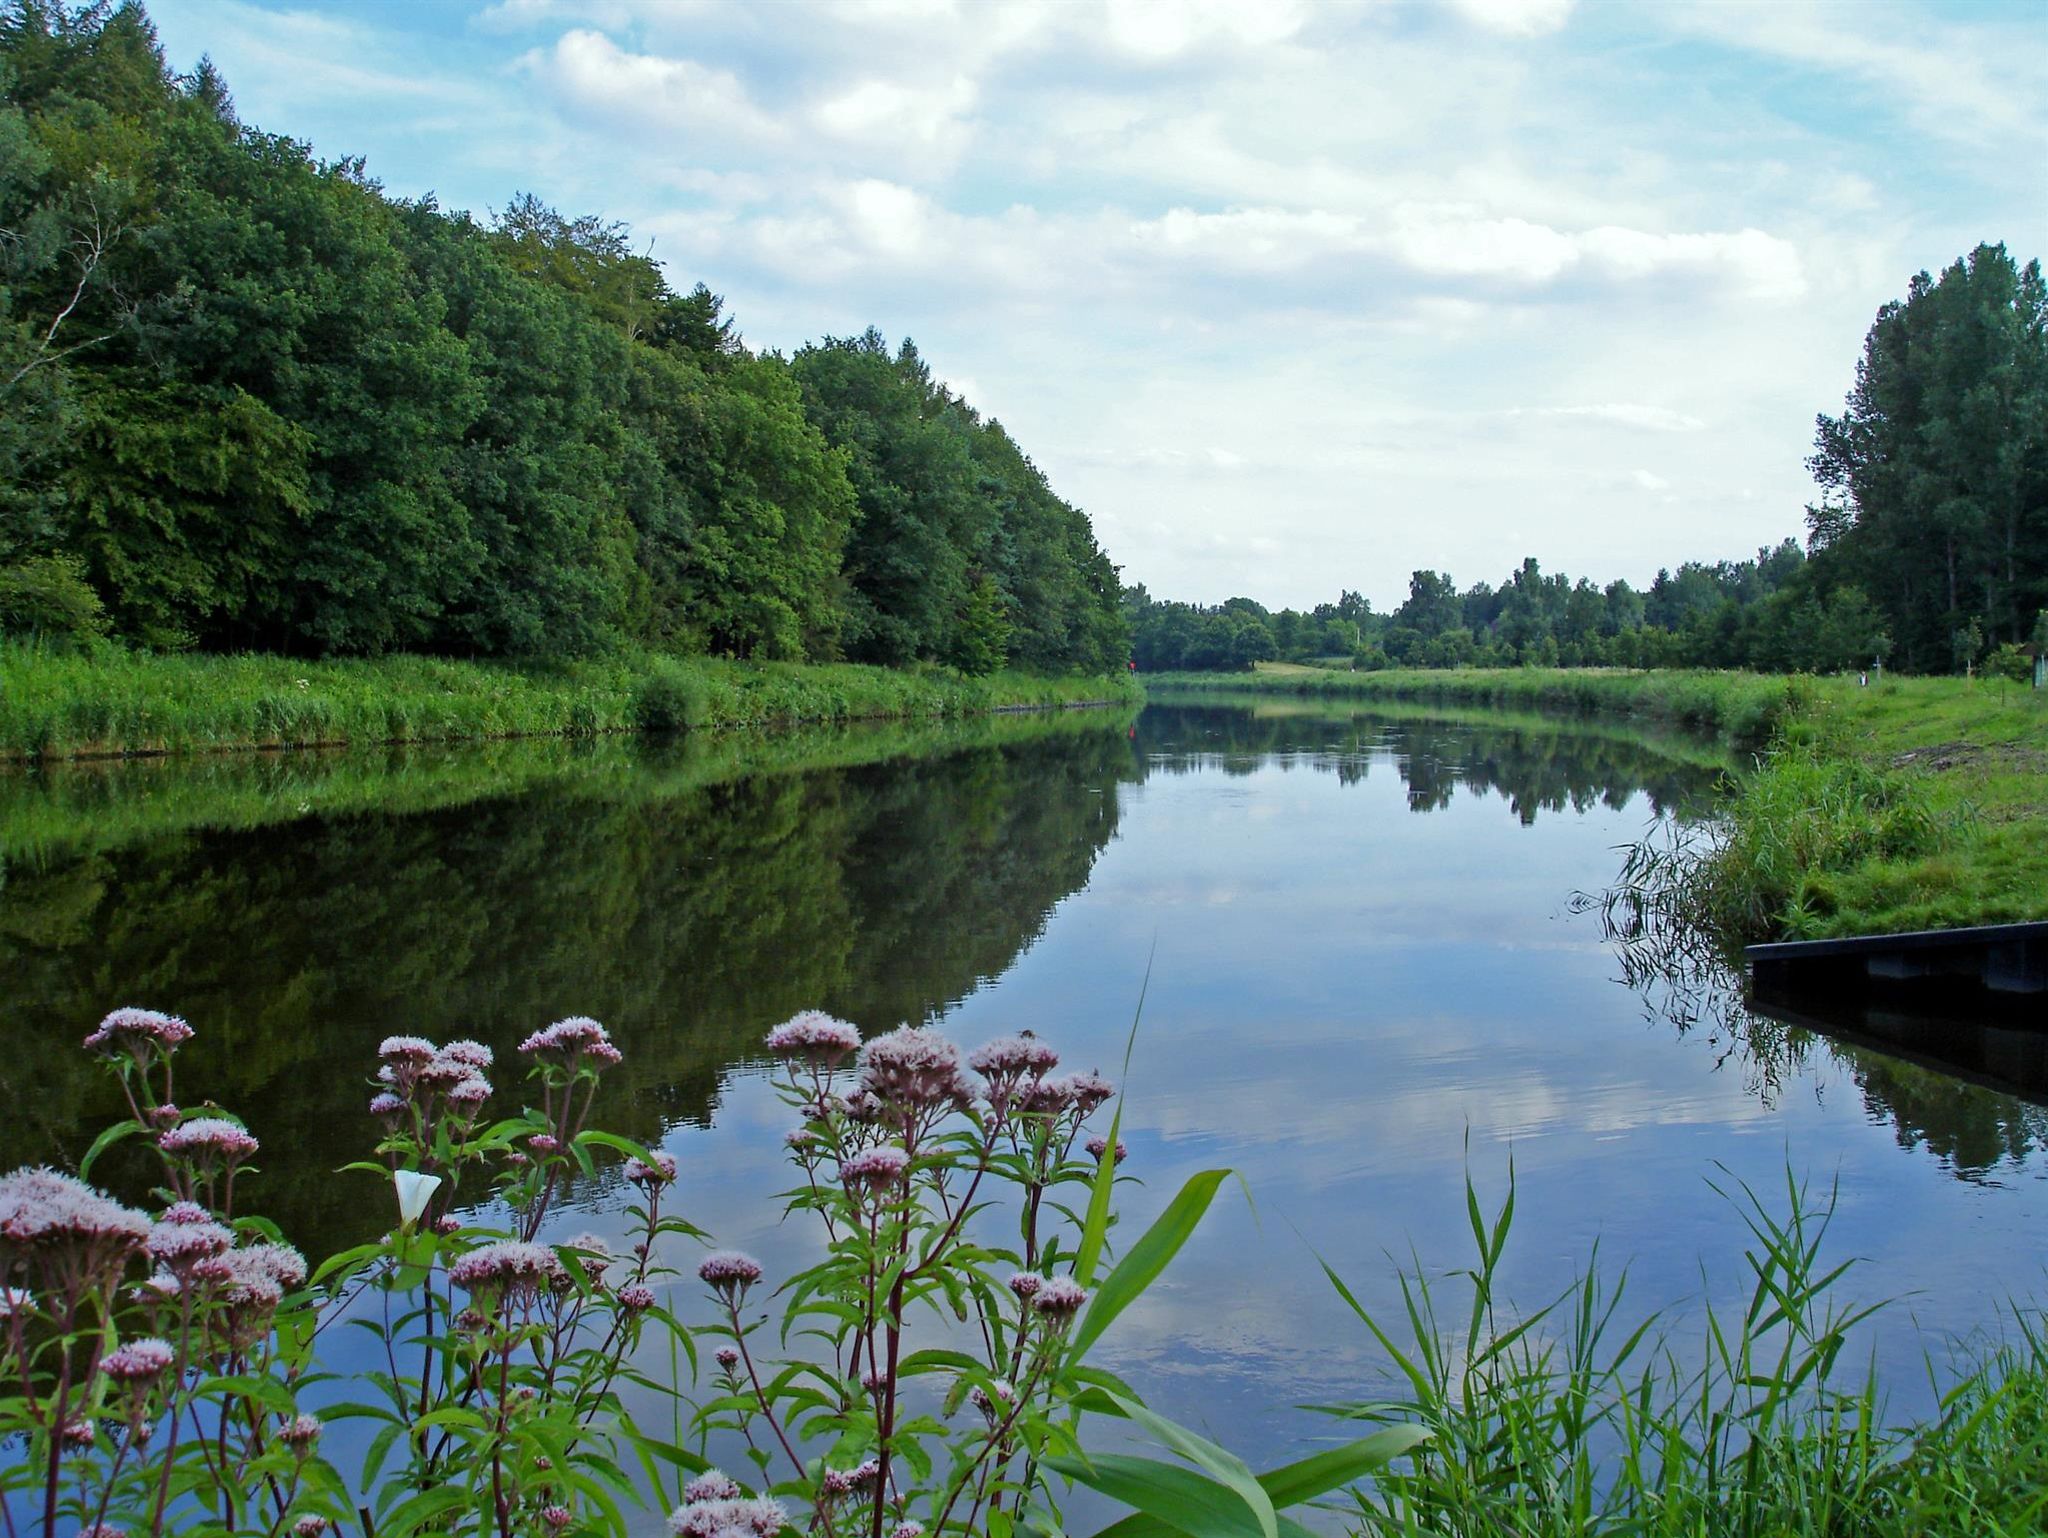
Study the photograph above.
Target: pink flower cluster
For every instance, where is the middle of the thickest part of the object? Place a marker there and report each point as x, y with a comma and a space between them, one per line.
179, 1242
139, 1360
576, 1040
42, 1207
133, 1030
814, 1036
731, 1516
510, 1266
729, 1273
658, 1170
257, 1276
878, 1169
914, 1068
412, 1065
837, 1484
209, 1139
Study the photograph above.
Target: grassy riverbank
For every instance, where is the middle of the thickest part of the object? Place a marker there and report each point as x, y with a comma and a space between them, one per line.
1917, 804
63, 808
73, 705
1744, 707
1913, 803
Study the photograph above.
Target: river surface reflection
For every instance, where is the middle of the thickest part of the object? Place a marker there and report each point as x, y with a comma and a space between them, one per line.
1365, 980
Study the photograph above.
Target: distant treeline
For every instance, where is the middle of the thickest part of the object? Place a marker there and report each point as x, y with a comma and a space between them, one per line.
1929, 549
248, 400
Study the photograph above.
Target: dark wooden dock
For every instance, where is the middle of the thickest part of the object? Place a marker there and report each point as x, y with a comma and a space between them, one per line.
1997, 970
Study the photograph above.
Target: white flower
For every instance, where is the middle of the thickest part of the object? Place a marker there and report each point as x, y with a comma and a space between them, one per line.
414, 1192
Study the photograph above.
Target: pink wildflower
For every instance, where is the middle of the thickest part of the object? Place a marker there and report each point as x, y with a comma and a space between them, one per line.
388, 1106
129, 1030
543, 1143
43, 1207
208, 1137
914, 1068
1060, 1299
556, 1517
470, 1092
1089, 1090
139, 1360
711, 1485
728, 1358
301, 1432
179, 1244
1097, 1146
763, 1517
569, 1039
636, 1298
814, 1036
875, 1168
412, 1051
310, 1527
1011, 1057
1026, 1284
658, 1170
518, 1268
729, 1273
474, 1053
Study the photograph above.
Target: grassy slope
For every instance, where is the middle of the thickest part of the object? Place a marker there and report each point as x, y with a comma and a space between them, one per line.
1970, 758
57, 705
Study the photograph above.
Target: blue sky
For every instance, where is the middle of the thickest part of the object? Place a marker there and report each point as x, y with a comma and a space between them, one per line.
1290, 296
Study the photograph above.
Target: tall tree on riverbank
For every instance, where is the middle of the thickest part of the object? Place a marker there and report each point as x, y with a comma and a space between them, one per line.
1938, 465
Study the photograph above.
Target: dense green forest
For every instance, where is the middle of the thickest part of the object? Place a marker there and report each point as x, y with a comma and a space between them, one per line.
248, 400
1928, 551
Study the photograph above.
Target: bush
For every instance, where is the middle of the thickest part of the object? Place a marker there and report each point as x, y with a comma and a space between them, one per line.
669, 698
47, 596
2010, 662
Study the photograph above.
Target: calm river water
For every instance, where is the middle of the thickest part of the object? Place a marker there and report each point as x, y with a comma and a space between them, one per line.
1365, 983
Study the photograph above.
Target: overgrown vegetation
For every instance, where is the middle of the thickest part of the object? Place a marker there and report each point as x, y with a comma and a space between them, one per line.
171, 1370
1913, 804
1580, 1419
57, 703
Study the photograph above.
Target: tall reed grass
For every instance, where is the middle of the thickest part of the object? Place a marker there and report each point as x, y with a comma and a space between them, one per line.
61, 704
1578, 1419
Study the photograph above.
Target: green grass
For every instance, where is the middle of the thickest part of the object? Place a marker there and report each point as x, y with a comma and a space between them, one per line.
1744, 707
92, 805
1581, 1420
1914, 803
56, 704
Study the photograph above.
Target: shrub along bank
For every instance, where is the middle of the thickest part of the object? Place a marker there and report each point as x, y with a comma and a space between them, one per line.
56, 704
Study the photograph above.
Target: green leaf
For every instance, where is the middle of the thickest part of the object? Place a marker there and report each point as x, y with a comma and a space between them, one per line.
1225, 1466
1179, 1500
1146, 1259
1320, 1473
104, 1141
1096, 1230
